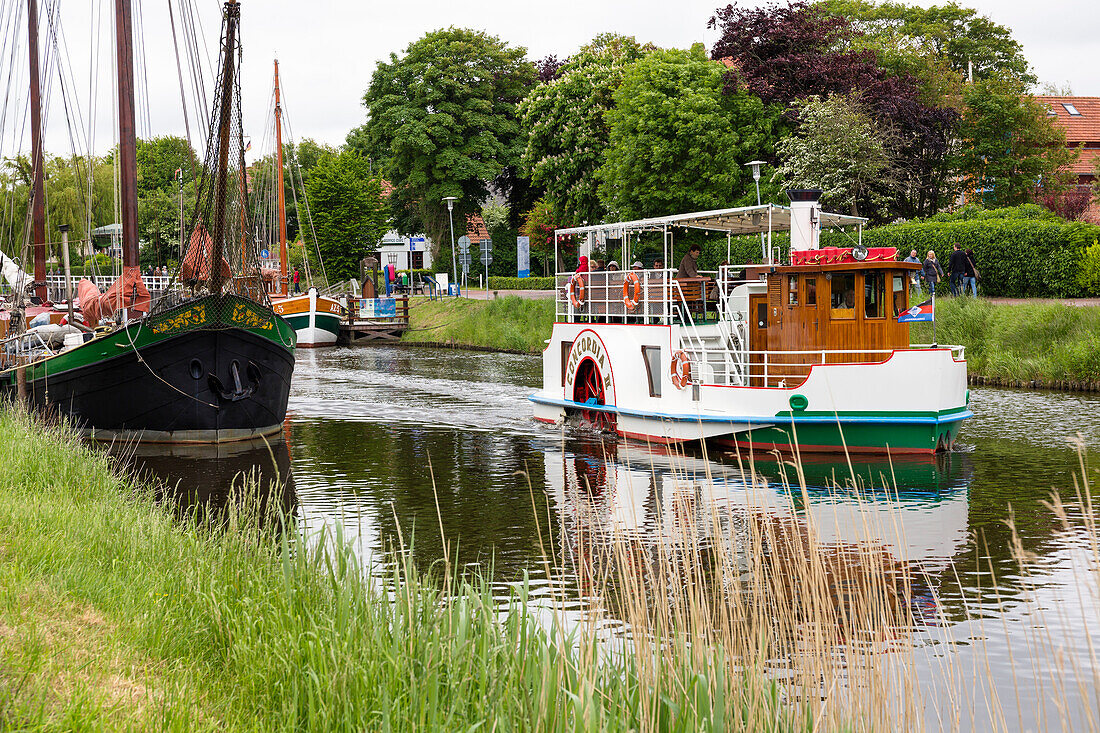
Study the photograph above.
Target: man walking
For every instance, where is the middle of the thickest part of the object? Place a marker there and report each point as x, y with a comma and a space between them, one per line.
956, 266
970, 277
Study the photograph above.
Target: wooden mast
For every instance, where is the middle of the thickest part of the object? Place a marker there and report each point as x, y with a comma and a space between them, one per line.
127, 134
284, 282
221, 180
38, 187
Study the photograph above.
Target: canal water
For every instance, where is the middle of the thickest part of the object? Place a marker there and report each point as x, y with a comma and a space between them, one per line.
425, 446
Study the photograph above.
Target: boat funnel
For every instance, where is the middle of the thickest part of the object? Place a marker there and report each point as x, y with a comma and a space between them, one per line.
805, 218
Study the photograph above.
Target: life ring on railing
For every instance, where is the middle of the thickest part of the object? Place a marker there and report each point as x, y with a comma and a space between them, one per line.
576, 290
681, 370
631, 302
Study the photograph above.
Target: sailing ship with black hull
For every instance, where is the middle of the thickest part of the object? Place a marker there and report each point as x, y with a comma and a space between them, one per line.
208, 364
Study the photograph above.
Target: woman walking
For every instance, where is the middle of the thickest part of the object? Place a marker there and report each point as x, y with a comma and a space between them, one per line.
932, 270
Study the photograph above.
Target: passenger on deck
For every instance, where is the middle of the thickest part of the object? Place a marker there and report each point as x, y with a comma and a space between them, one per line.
689, 265
658, 265
582, 264
612, 266
637, 266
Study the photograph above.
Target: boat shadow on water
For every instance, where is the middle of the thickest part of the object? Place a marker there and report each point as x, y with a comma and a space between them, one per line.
213, 477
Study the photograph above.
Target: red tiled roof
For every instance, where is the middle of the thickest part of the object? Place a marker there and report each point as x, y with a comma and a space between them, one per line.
387, 188
476, 229
1086, 163
1082, 128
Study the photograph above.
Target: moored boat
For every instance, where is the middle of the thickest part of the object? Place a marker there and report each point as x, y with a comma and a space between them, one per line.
806, 355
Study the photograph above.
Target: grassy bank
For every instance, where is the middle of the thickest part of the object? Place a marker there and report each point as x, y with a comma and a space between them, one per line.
115, 616
506, 324
1033, 341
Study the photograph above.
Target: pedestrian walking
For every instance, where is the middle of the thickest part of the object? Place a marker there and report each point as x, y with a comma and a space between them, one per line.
956, 266
297, 281
914, 277
932, 270
971, 277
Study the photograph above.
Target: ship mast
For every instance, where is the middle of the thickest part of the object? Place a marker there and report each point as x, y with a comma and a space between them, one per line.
38, 192
284, 284
127, 135
221, 180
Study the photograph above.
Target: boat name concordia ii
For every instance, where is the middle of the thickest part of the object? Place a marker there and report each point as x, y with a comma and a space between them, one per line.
803, 356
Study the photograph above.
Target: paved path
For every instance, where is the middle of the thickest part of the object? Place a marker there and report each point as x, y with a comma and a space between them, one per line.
1079, 302
525, 294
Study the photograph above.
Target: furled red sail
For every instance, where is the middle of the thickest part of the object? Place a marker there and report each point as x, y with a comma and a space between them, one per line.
196, 263
128, 291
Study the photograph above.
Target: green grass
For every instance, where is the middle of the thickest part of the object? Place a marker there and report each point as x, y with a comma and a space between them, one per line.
510, 323
115, 616
1040, 341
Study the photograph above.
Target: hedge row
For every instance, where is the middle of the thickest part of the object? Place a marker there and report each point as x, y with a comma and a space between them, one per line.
1017, 258
520, 283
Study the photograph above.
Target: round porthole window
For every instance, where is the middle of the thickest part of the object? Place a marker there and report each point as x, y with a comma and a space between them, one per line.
195, 369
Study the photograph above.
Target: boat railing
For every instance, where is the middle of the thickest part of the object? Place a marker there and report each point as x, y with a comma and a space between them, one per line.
24, 348
157, 285
639, 296
746, 368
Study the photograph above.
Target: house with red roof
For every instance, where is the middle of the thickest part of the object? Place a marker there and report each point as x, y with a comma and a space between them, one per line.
1079, 117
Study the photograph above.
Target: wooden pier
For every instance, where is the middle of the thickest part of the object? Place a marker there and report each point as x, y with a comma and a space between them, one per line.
354, 330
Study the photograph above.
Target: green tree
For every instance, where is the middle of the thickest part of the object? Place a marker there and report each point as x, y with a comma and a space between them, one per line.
442, 121
677, 143
349, 212
567, 133
839, 148
911, 38
1009, 145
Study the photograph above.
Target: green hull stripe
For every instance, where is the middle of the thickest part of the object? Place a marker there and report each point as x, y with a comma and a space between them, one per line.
324, 322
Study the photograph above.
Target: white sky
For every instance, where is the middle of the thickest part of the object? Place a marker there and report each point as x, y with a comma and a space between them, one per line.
327, 49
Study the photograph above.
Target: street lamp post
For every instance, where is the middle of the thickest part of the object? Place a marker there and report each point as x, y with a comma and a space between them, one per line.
755, 164
450, 215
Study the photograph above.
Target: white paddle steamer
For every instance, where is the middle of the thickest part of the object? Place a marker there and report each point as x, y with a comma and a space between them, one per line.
806, 355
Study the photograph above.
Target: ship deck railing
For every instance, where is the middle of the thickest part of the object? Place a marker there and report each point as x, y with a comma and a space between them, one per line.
746, 368
601, 297
24, 348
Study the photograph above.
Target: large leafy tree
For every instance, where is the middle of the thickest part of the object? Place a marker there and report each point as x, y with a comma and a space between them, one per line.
1009, 146
842, 150
443, 122
158, 159
677, 143
788, 53
349, 212
566, 129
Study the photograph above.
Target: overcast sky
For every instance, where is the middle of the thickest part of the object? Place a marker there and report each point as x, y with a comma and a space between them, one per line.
327, 49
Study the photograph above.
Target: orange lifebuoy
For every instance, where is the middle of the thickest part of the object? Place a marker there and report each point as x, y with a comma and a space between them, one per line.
632, 302
681, 370
576, 290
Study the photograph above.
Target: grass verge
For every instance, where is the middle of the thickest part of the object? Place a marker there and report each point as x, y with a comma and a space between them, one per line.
115, 616
1032, 341
510, 323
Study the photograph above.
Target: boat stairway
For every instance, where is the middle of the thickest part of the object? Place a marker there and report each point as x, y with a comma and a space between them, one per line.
715, 357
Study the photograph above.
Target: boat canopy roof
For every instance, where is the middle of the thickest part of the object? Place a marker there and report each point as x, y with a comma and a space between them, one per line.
743, 220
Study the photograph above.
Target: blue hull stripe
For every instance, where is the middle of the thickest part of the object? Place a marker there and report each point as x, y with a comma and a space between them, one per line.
785, 418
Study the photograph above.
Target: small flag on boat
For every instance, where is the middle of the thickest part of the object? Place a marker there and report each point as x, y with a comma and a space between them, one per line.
926, 311
248, 146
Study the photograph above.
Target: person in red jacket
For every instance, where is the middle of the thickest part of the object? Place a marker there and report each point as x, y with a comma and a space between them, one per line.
297, 281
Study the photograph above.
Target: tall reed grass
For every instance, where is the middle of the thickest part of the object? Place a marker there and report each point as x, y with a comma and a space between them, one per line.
113, 614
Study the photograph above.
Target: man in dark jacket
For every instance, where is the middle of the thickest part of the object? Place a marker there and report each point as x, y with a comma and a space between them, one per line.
956, 266
970, 277
688, 266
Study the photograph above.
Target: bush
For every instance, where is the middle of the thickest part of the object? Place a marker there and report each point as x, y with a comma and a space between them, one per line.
520, 283
1089, 275
1019, 255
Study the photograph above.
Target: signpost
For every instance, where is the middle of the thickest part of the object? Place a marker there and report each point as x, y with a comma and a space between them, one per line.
464, 248
486, 258
523, 256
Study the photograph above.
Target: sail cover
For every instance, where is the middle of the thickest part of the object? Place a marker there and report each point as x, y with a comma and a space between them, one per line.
128, 291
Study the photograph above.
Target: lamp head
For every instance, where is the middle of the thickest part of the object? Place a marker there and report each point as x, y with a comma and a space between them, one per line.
450, 202
755, 164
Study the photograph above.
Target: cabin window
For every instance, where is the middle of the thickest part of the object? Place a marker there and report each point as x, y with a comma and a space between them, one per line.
566, 347
651, 355
843, 295
874, 295
900, 294
762, 315
792, 289
811, 291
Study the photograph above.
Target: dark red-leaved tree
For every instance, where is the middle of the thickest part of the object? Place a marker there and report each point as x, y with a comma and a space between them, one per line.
1070, 203
548, 67
787, 52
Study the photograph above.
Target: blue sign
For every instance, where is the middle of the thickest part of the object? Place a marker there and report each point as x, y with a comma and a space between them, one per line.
523, 256
265, 254
378, 308
416, 243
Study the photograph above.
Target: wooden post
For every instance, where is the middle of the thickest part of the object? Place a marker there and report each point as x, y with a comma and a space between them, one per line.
21, 381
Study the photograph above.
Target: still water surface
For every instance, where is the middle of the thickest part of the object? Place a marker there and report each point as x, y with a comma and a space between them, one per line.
393, 442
